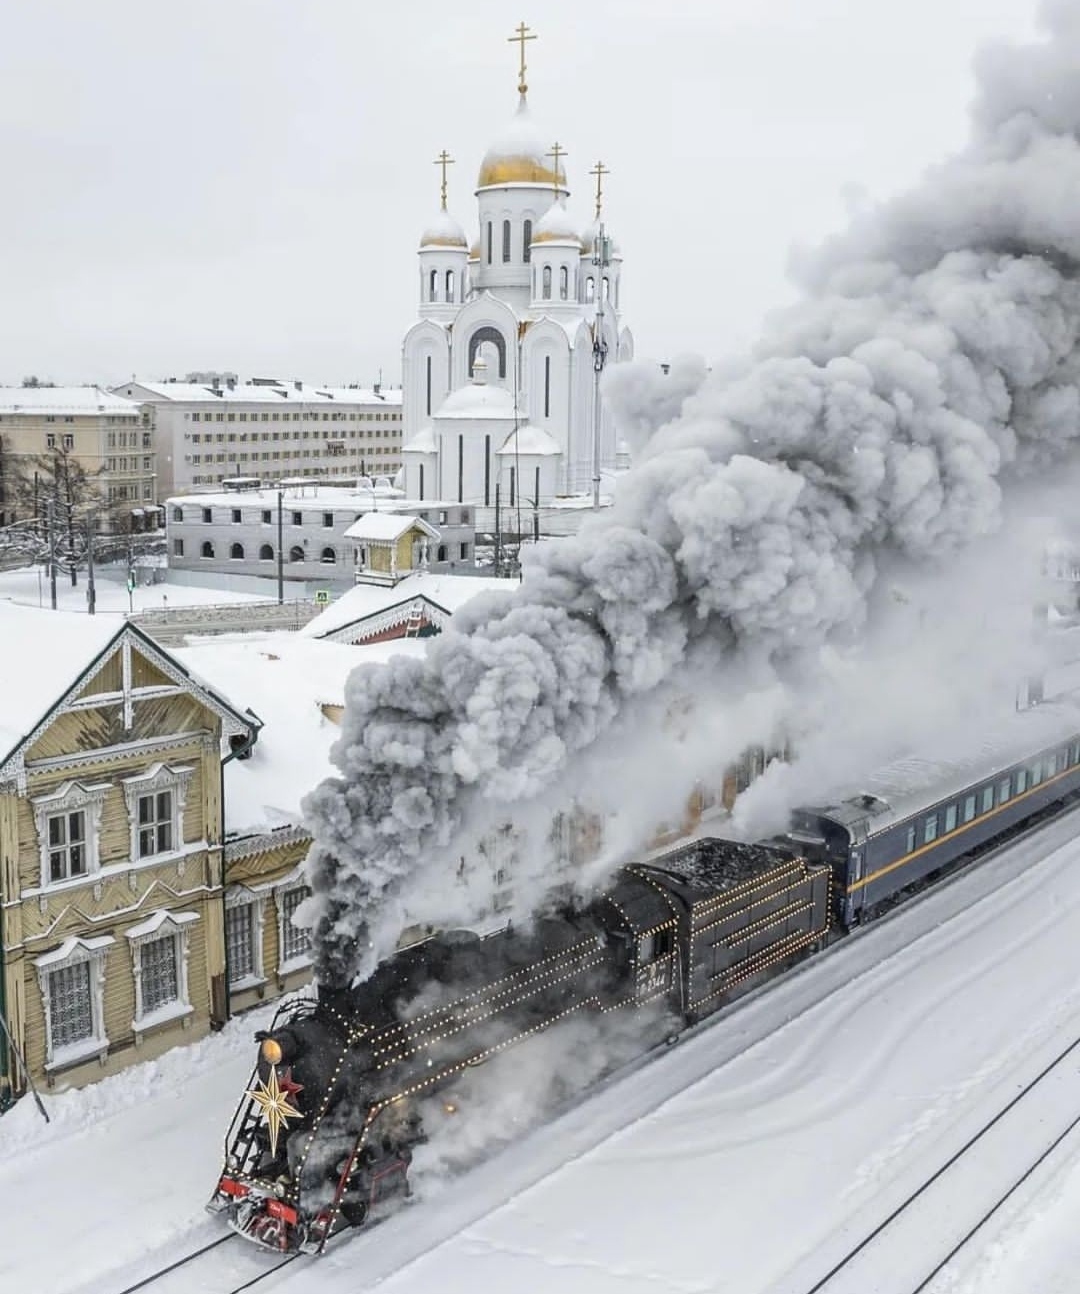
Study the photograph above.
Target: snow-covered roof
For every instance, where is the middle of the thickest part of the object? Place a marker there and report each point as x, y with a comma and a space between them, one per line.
327, 498
79, 401
519, 154
448, 592
530, 440
422, 443
285, 679
444, 231
556, 226
42, 653
386, 527
478, 400
277, 395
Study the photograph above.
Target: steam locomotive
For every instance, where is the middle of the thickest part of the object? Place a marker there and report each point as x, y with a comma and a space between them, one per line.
324, 1136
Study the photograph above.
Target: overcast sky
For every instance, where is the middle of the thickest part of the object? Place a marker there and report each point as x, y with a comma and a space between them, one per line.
241, 184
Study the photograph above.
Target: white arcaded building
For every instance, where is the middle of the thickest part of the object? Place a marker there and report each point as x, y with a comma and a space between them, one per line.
498, 371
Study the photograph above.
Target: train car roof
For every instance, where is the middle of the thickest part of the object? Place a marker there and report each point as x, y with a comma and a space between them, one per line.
711, 865
906, 787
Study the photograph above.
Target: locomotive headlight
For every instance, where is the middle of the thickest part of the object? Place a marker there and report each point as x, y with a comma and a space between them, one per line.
270, 1051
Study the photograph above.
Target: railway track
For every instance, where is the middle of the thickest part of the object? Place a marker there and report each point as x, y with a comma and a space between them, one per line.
187, 1273
949, 1209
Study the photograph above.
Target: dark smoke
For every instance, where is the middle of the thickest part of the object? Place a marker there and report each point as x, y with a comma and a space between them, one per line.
934, 359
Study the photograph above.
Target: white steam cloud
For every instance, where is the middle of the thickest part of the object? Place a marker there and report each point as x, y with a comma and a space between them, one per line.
934, 361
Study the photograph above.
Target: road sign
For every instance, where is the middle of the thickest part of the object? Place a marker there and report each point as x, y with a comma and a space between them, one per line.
322, 597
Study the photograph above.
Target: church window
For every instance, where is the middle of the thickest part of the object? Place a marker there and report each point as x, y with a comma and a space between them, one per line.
428, 399
546, 294
564, 283
547, 386
487, 479
607, 288
490, 236
487, 333
506, 241
513, 486
329, 556
590, 289
526, 247
432, 284
460, 468
449, 285
421, 480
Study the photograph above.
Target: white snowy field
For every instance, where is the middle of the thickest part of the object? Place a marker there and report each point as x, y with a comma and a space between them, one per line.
29, 586
748, 1158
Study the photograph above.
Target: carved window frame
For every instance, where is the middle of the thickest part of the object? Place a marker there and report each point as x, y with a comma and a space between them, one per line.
161, 777
239, 896
162, 925
75, 952
70, 797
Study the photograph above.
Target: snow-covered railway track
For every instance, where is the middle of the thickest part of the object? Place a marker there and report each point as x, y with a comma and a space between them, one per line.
929, 1228
245, 1268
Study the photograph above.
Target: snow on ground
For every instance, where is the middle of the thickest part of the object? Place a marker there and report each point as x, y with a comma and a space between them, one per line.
29, 586
748, 1158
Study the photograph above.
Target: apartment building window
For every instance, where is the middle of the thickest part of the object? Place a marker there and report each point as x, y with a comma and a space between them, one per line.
178, 548
236, 552
219, 417
237, 516
298, 518
266, 553
67, 823
195, 417
72, 984
50, 440
267, 517
328, 520
69, 440
207, 514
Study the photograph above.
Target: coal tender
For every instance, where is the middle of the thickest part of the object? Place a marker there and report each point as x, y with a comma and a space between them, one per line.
323, 1137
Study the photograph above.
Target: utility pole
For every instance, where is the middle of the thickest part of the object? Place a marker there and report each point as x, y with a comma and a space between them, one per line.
91, 592
498, 533
601, 259
50, 521
280, 554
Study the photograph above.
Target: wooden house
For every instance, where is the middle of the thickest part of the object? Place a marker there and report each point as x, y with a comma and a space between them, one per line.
112, 915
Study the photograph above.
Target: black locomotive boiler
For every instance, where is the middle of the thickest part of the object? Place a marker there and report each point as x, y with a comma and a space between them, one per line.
324, 1134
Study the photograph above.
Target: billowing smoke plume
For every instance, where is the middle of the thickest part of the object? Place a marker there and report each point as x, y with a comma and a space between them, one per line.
934, 358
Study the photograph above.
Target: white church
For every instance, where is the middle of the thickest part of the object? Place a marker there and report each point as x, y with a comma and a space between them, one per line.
499, 371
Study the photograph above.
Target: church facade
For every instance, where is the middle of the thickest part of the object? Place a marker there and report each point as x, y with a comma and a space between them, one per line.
499, 371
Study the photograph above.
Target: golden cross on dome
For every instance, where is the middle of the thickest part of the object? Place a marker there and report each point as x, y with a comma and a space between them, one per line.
556, 152
273, 1100
520, 37
444, 160
599, 170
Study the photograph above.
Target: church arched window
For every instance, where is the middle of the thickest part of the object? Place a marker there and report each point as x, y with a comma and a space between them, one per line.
590, 289
564, 283
547, 283
490, 235
449, 285
487, 333
432, 281
506, 241
607, 288
526, 242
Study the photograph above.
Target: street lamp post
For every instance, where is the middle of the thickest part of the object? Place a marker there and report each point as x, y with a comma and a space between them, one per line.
280, 553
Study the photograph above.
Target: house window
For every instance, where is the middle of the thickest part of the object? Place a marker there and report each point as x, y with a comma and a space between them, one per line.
464, 552
236, 552
159, 953
155, 823
178, 514
160, 973
243, 936
267, 518
328, 520
72, 983
237, 516
266, 553
67, 845
178, 547
294, 941
207, 514
298, 518
67, 824
207, 548
155, 805
328, 556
